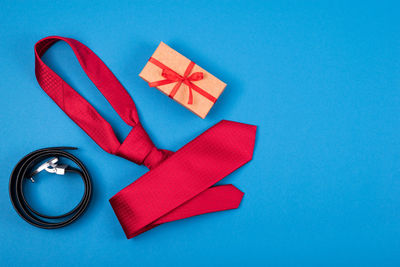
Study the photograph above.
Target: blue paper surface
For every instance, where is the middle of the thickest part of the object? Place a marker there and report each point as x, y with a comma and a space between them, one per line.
321, 79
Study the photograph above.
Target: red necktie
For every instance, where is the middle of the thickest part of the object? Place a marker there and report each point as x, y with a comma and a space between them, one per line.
179, 184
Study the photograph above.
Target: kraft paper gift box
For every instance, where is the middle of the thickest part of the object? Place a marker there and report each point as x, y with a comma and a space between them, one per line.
182, 80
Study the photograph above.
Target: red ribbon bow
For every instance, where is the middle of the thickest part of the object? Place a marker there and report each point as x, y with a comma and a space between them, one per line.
172, 77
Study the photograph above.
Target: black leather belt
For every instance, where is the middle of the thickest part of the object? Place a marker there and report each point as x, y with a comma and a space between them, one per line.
25, 169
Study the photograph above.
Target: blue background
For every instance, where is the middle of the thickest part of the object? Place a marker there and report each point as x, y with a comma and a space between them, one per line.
320, 79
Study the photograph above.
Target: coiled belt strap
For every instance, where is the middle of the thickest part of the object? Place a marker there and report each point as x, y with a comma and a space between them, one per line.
23, 170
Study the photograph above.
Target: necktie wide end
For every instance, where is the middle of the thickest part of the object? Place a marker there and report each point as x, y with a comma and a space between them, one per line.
243, 136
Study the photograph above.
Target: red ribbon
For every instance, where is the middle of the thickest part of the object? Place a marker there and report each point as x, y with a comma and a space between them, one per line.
172, 77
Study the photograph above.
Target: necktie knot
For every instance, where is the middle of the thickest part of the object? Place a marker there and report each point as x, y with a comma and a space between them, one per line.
139, 148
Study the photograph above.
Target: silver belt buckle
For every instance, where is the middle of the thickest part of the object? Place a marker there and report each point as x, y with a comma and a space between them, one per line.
50, 166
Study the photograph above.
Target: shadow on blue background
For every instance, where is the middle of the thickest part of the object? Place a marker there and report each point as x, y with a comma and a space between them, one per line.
320, 79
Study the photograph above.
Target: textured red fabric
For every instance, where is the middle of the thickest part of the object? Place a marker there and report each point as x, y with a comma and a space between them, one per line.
179, 184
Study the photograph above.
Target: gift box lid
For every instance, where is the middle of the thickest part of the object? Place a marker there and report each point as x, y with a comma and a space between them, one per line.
211, 86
